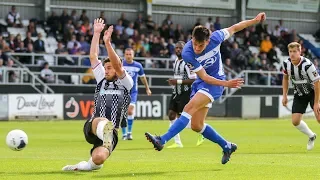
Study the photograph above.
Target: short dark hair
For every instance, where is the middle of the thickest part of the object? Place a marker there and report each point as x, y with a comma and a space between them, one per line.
201, 33
107, 59
128, 49
182, 43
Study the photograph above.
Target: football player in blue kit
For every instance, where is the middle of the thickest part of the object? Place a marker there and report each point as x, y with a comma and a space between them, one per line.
202, 54
135, 70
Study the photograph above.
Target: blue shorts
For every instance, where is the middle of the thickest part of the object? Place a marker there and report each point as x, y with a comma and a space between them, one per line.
213, 92
133, 95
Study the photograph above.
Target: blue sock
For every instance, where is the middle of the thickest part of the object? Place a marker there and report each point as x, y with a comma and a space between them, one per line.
124, 131
211, 134
178, 126
130, 122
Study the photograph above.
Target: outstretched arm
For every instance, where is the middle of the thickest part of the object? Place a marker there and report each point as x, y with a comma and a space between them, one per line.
114, 58
98, 26
247, 23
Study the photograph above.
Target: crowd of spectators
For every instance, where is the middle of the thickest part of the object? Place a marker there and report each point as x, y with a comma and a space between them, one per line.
148, 39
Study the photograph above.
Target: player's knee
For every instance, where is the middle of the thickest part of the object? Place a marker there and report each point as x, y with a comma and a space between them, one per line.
99, 157
197, 127
172, 116
295, 122
130, 110
318, 119
190, 108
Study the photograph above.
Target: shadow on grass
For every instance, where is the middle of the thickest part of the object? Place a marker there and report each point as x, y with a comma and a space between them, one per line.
134, 149
60, 172
98, 174
149, 174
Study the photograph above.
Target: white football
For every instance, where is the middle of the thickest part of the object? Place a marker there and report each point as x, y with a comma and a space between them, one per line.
17, 140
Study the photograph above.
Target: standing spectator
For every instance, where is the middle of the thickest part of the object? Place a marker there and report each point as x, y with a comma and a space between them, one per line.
74, 17
64, 19
167, 21
84, 16
139, 21
125, 22
150, 24
103, 17
217, 25
209, 23
53, 22
13, 18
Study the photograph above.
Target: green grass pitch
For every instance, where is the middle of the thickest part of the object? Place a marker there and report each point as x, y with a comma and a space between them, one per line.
267, 149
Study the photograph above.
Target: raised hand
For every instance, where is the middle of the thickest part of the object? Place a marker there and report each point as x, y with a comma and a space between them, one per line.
98, 25
261, 17
107, 35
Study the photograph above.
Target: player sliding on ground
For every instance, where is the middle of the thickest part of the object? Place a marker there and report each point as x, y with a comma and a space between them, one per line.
305, 80
202, 54
111, 101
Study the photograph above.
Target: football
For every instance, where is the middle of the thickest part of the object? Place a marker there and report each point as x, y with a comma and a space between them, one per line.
17, 140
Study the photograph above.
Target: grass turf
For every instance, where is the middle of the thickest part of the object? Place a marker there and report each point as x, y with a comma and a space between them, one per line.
267, 149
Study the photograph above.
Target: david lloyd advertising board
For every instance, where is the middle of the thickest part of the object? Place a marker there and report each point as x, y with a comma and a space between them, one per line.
81, 107
35, 106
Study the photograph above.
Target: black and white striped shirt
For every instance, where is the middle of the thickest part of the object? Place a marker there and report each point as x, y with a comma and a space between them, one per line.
302, 76
111, 99
183, 72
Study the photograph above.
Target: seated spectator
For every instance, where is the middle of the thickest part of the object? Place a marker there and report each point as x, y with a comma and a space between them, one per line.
119, 27
13, 18
85, 46
13, 75
21, 48
89, 79
47, 74
63, 60
39, 46
254, 61
28, 39
32, 29
129, 30
266, 45
1, 69
71, 43
86, 29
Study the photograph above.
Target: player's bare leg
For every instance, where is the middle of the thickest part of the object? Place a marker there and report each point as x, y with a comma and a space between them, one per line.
98, 157
303, 127
198, 125
177, 141
102, 128
201, 115
198, 102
